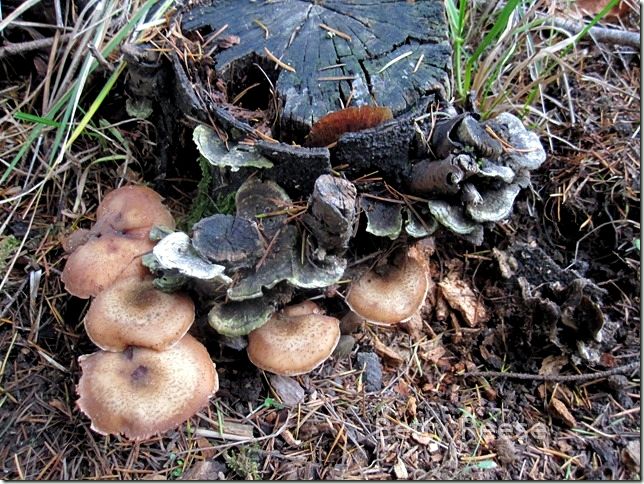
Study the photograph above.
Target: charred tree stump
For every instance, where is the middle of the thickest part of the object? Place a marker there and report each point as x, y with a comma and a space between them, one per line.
319, 54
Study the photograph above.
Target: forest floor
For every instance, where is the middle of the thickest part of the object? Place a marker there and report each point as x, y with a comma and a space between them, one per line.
430, 420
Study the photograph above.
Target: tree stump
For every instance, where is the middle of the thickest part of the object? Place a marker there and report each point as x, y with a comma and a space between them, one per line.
320, 55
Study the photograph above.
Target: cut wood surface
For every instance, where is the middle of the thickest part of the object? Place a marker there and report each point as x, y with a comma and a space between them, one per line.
320, 54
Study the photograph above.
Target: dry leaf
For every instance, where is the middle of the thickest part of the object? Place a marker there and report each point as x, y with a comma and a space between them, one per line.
204, 470
400, 471
410, 408
559, 410
441, 311
387, 353
460, 296
287, 389
552, 365
421, 438
593, 7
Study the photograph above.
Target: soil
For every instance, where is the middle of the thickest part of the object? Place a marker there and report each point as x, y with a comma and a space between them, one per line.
414, 413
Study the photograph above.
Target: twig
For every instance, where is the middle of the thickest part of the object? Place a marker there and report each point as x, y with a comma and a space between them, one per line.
600, 34
555, 378
22, 47
272, 57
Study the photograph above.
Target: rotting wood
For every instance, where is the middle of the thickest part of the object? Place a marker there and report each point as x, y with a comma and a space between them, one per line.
377, 50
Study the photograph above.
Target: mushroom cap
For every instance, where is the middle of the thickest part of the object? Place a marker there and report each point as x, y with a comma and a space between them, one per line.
393, 296
142, 392
132, 207
304, 308
101, 260
293, 345
132, 312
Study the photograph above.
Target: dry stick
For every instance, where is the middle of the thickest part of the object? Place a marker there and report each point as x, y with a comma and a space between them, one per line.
20, 48
556, 378
600, 34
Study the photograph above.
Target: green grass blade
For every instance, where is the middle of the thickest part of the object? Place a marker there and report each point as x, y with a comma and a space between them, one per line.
96, 104
32, 118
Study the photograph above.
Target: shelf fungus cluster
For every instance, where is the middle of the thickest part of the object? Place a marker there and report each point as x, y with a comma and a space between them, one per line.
149, 374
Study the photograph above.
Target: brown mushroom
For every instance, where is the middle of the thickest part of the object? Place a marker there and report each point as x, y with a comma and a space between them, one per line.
142, 392
295, 341
133, 207
100, 261
113, 246
132, 312
394, 294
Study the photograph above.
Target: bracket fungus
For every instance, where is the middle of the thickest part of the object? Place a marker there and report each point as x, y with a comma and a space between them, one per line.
112, 248
294, 341
392, 293
141, 392
132, 312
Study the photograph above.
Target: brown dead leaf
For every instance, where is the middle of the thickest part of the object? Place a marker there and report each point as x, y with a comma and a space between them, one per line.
389, 355
433, 354
593, 7
205, 447
442, 311
559, 410
421, 438
552, 365
460, 296
410, 407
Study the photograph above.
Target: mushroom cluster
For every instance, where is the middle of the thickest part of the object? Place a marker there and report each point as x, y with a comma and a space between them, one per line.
149, 375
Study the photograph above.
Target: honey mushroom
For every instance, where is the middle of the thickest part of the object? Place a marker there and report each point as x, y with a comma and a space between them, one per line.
113, 246
132, 312
294, 341
393, 294
141, 392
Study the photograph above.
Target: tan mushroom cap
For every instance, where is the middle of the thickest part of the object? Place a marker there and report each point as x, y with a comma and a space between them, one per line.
293, 345
394, 296
301, 309
100, 261
133, 207
142, 392
132, 312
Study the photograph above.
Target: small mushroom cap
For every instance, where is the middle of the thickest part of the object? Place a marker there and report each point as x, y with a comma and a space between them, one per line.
293, 345
142, 392
132, 312
394, 296
101, 260
133, 207
304, 308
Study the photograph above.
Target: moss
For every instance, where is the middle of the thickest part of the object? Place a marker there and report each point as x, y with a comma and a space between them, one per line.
244, 463
8, 246
203, 204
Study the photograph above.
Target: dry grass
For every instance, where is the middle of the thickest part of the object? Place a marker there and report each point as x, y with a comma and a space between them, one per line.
427, 422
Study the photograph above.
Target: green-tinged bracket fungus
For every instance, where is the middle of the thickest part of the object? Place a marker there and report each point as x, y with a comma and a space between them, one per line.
141, 392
